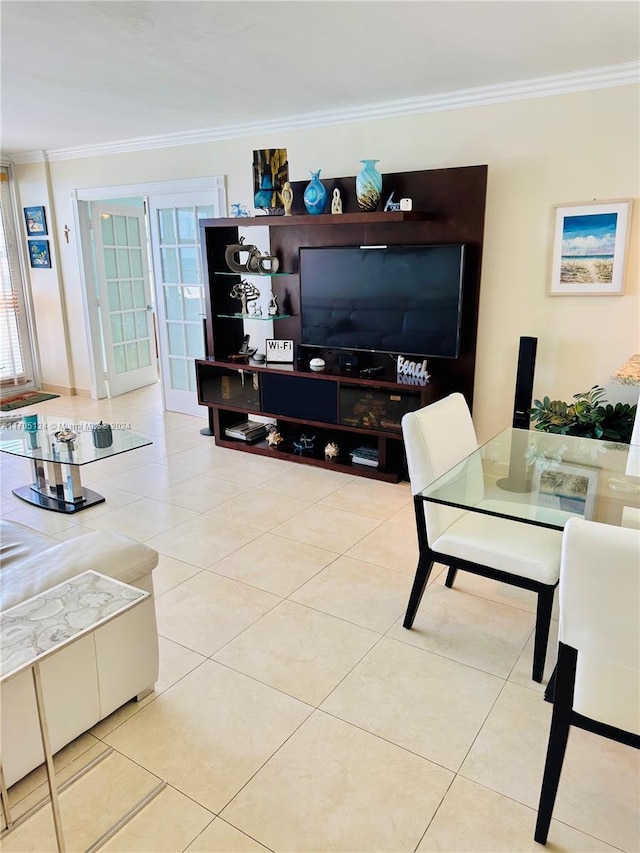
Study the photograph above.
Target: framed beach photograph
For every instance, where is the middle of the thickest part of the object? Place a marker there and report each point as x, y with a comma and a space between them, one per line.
590, 247
39, 256
35, 221
568, 488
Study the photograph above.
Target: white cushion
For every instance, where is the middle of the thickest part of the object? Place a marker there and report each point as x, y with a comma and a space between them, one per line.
599, 616
17, 542
520, 549
112, 554
607, 693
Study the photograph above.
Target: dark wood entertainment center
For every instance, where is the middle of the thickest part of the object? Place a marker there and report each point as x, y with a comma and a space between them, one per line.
338, 405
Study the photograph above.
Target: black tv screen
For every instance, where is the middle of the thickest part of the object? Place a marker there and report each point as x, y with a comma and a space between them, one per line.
395, 299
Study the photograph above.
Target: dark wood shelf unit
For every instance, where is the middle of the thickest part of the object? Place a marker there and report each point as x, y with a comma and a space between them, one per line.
449, 207
305, 219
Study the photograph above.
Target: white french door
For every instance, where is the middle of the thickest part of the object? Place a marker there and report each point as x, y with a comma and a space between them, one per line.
177, 265
124, 297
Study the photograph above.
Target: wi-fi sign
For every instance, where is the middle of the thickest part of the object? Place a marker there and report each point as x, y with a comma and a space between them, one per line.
280, 350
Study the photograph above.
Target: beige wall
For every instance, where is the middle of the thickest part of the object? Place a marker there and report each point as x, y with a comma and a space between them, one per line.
540, 152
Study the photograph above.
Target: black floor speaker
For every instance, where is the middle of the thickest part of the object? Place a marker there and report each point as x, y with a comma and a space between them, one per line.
524, 382
519, 479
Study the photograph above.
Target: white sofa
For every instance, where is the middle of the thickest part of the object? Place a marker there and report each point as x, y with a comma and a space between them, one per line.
87, 681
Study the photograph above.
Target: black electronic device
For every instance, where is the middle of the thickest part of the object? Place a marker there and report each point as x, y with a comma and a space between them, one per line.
245, 349
348, 361
520, 474
368, 372
524, 382
390, 299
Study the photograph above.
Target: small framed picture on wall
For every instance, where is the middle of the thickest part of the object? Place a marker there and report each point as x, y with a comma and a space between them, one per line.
39, 256
36, 221
590, 248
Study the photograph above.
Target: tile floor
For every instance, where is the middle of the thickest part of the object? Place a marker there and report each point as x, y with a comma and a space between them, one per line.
293, 711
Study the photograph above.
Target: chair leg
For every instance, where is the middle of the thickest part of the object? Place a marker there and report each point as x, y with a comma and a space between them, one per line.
419, 585
451, 576
558, 736
543, 621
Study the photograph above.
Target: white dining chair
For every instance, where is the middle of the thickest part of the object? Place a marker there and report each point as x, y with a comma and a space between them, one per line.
597, 684
436, 438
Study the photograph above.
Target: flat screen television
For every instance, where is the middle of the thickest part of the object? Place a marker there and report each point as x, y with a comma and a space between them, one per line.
391, 299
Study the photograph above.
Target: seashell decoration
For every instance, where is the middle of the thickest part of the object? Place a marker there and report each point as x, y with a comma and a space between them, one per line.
331, 451
274, 438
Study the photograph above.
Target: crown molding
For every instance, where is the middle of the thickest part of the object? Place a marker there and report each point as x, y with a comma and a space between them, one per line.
28, 157
604, 77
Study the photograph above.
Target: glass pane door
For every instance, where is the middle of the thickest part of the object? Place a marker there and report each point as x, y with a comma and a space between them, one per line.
124, 288
180, 293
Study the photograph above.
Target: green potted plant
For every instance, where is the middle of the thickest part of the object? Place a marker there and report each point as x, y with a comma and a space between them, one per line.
590, 416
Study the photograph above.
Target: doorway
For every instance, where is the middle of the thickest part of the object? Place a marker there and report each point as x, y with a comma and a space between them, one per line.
144, 298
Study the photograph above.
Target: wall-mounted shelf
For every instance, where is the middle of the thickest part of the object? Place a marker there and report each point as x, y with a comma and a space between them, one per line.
330, 218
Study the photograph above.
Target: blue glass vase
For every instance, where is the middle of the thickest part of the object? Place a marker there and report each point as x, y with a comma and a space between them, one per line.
368, 186
315, 195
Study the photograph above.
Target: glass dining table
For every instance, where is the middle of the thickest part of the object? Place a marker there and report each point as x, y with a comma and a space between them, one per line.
544, 479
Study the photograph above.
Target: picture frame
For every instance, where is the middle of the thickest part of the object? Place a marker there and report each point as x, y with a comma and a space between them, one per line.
569, 488
39, 256
36, 221
281, 351
590, 248
270, 173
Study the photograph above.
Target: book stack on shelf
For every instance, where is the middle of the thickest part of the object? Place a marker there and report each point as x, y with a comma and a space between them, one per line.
365, 456
246, 431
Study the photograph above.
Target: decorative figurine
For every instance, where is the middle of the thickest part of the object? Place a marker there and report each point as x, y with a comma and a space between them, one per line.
331, 451
255, 262
391, 204
287, 198
239, 211
274, 438
273, 304
336, 202
304, 444
232, 255
245, 292
65, 435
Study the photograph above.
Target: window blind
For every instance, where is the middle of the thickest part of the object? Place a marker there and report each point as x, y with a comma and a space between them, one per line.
12, 364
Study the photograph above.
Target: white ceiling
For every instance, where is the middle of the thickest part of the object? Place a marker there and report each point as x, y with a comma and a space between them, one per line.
77, 73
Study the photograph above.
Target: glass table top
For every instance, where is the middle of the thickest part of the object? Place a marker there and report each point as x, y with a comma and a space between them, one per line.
544, 479
17, 440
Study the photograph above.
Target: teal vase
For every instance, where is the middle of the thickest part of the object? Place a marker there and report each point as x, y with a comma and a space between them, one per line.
368, 186
315, 194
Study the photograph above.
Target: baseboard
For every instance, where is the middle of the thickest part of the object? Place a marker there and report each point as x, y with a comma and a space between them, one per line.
64, 390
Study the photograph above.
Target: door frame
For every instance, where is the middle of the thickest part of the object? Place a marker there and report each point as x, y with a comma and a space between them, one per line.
216, 185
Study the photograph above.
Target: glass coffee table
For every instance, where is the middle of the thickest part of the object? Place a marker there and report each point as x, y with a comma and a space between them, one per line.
56, 463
